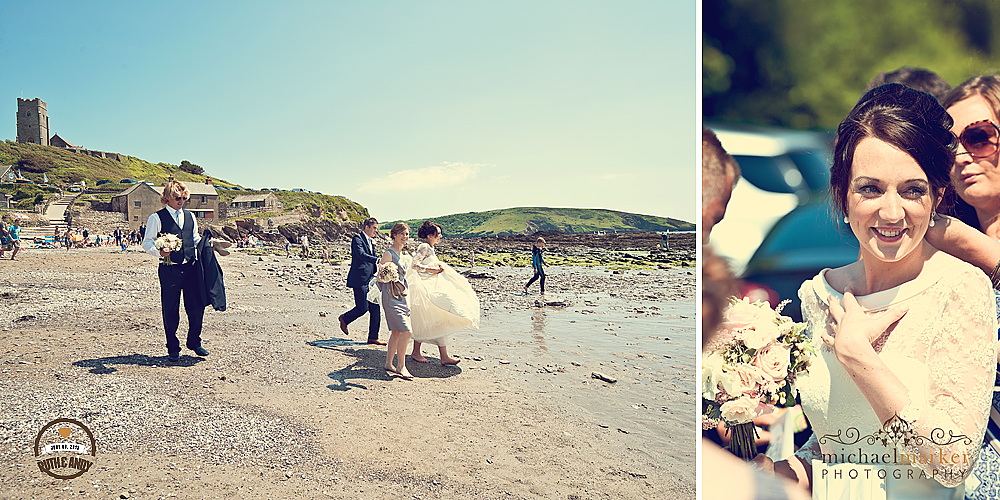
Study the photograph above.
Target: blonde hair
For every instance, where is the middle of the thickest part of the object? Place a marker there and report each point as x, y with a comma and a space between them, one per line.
172, 189
540, 240
398, 228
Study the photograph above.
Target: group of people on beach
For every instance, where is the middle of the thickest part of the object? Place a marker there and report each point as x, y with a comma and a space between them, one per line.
422, 298
907, 334
10, 236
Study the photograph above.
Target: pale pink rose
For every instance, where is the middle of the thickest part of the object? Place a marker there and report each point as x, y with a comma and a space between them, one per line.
760, 334
773, 361
750, 377
740, 411
741, 314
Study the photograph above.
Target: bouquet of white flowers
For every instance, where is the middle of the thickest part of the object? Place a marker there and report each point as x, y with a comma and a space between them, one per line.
388, 272
169, 242
750, 368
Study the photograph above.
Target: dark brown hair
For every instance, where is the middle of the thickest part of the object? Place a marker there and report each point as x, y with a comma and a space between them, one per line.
907, 119
428, 228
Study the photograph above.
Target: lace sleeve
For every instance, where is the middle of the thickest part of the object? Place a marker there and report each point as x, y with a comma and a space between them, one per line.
423, 258
942, 434
810, 451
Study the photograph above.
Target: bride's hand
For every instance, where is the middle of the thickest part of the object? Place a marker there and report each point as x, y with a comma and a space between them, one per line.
853, 329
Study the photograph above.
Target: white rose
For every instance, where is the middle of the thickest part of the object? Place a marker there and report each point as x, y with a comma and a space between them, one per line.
711, 375
739, 411
760, 334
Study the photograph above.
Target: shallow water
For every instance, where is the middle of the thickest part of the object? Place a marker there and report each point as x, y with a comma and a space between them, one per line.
650, 353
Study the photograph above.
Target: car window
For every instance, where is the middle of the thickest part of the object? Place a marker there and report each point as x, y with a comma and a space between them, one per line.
814, 166
769, 172
811, 226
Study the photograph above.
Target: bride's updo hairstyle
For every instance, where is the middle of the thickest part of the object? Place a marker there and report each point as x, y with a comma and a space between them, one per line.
910, 120
428, 228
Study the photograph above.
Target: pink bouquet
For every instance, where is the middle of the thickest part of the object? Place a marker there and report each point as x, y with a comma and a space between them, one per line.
751, 367
388, 272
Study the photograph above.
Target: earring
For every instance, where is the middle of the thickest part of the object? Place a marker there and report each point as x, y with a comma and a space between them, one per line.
933, 216
846, 220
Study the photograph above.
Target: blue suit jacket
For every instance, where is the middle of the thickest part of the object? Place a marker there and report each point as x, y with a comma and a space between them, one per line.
363, 263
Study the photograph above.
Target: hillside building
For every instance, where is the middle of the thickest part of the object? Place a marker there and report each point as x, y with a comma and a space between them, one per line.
32, 121
33, 128
257, 202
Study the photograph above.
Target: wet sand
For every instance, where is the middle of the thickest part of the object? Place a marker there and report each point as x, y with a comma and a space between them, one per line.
286, 407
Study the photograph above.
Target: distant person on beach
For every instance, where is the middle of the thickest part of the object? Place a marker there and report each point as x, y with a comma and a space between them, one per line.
15, 237
5, 243
472, 258
395, 301
178, 275
363, 262
305, 247
288, 249
538, 264
442, 301
326, 256
68, 239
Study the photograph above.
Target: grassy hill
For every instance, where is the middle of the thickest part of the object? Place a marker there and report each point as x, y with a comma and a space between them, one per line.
63, 167
527, 220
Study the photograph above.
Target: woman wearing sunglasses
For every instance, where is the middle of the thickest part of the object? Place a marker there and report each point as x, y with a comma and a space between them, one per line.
973, 236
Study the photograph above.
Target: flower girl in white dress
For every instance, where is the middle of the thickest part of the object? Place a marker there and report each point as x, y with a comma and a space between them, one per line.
899, 394
442, 301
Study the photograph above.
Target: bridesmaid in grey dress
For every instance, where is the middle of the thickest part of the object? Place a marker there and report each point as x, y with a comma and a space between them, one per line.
395, 302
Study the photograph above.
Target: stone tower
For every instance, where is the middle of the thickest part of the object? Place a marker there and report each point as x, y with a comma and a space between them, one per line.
32, 121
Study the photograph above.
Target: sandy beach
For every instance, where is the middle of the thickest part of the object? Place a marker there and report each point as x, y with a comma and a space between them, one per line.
285, 407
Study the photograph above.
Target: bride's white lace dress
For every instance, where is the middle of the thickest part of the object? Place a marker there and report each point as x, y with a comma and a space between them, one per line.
943, 350
440, 304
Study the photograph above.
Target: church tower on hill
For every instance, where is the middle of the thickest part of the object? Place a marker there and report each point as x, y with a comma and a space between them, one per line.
32, 121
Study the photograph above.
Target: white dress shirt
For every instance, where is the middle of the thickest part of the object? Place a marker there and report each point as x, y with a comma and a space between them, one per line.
153, 228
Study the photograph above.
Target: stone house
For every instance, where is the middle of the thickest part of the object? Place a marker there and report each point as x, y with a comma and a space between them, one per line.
264, 202
137, 202
141, 200
204, 202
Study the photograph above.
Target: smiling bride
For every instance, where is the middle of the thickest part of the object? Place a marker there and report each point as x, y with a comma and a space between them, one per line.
899, 395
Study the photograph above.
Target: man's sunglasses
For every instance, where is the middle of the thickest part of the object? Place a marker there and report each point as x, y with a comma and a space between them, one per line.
981, 139
182, 198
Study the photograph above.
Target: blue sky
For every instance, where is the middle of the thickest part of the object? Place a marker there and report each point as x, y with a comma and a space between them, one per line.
413, 109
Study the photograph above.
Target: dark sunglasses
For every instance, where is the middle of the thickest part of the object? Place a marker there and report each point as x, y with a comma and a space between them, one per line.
980, 139
181, 198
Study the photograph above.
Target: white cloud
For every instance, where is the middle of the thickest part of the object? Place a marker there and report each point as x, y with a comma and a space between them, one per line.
499, 178
445, 175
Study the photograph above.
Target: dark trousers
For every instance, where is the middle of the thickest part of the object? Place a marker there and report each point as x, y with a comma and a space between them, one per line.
539, 275
362, 306
173, 280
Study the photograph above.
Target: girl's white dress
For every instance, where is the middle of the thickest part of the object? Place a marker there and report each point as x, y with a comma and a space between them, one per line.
440, 304
943, 350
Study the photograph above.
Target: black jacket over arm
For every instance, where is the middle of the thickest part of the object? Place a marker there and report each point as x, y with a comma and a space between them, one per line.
210, 273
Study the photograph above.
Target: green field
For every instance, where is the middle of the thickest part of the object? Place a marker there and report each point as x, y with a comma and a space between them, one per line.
528, 220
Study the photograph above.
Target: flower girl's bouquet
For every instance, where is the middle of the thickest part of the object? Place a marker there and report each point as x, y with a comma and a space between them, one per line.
751, 367
169, 242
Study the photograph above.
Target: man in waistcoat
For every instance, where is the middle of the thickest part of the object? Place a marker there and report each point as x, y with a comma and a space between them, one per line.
177, 270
